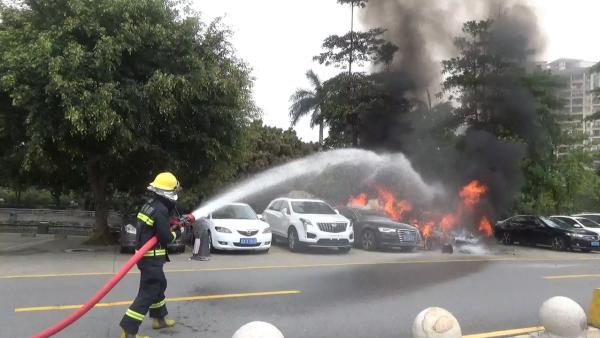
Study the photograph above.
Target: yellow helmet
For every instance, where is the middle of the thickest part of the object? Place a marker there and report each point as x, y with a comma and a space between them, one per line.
166, 185
165, 181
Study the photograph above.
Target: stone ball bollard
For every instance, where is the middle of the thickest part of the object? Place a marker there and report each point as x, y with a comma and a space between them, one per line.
562, 317
258, 330
435, 322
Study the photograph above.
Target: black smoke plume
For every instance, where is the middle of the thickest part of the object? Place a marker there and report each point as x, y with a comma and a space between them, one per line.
425, 31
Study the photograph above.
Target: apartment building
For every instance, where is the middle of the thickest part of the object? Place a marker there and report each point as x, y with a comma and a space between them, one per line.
579, 101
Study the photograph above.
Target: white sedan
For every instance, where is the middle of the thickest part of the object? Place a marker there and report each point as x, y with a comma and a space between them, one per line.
236, 226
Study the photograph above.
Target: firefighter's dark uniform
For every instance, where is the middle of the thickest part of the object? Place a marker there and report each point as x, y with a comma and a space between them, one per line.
153, 219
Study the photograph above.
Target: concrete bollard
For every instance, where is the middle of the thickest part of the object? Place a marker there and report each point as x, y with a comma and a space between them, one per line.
258, 330
435, 322
563, 318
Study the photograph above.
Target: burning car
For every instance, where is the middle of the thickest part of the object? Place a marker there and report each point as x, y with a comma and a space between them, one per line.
374, 230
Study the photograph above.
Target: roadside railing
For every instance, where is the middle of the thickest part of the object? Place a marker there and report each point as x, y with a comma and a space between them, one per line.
44, 221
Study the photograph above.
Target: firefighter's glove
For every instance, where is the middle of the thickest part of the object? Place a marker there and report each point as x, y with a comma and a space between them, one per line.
174, 223
177, 233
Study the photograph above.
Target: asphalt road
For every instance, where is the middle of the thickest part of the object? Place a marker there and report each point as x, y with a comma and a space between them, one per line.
318, 294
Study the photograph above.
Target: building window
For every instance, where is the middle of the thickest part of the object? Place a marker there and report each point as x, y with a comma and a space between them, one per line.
576, 109
577, 102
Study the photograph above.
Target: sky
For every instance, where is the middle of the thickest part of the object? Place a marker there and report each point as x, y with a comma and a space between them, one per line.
278, 39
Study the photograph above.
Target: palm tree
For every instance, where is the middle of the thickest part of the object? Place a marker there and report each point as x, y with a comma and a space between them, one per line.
305, 101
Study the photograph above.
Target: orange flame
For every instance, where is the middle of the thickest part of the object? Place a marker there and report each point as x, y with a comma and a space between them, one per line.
449, 221
471, 193
426, 228
397, 209
359, 201
391, 206
485, 227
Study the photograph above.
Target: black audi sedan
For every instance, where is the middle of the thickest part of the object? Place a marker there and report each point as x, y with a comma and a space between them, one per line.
536, 230
374, 230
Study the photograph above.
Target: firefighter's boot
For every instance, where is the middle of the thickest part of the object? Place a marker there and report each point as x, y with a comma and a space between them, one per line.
161, 323
130, 335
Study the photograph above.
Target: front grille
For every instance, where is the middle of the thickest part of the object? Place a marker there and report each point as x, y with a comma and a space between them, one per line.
405, 235
332, 227
246, 245
248, 232
333, 242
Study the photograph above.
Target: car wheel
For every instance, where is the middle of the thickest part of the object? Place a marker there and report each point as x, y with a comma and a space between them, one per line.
293, 242
344, 249
368, 240
408, 249
558, 244
124, 250
507, 238
266, 251
586, 250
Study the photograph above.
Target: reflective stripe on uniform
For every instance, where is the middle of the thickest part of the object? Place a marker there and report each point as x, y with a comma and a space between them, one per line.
145, 218
157, 252
158, 305
135, 315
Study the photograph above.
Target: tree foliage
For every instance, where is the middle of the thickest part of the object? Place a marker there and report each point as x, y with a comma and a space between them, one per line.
358, 47
267, 147
122, 89
357, 3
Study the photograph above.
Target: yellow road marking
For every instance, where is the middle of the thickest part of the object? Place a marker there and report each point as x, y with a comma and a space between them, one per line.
506, 333
169, 300
323, 265
571, 276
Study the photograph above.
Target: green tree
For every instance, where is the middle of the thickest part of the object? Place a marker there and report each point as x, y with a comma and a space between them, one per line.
266, 147
353, 3
123, 89
354, 47
305, 101
493, 89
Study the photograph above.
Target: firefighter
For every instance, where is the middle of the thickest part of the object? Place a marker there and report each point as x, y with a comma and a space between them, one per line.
156, 217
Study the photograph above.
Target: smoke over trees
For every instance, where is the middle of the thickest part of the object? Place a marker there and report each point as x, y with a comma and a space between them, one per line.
491, 118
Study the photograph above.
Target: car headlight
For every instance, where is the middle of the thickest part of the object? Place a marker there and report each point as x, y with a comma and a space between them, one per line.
223, 230
386, 230
130, 229
305, 223
267, 230
575, 235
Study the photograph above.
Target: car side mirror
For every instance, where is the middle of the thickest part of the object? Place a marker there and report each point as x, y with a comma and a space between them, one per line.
336, 211
285, 211
260, 217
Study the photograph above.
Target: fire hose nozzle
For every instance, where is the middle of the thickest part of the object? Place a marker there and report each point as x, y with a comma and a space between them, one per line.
187, 220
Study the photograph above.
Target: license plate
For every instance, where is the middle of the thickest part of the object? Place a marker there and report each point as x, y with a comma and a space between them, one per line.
595, 243
247, 240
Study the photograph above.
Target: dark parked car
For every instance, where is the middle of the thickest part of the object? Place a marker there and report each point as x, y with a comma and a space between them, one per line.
128, 240
374, 230
534, 230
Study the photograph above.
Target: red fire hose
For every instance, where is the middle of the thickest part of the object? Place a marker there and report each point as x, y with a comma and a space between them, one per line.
100, 294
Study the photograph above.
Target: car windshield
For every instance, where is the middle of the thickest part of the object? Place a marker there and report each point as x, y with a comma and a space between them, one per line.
312, 207
235, 212
594, 218
587, 223
554, 223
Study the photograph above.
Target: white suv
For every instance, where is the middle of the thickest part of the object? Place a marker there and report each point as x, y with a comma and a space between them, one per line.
305, 222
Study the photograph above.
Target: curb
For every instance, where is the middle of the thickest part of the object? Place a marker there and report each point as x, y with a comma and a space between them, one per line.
591, 333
